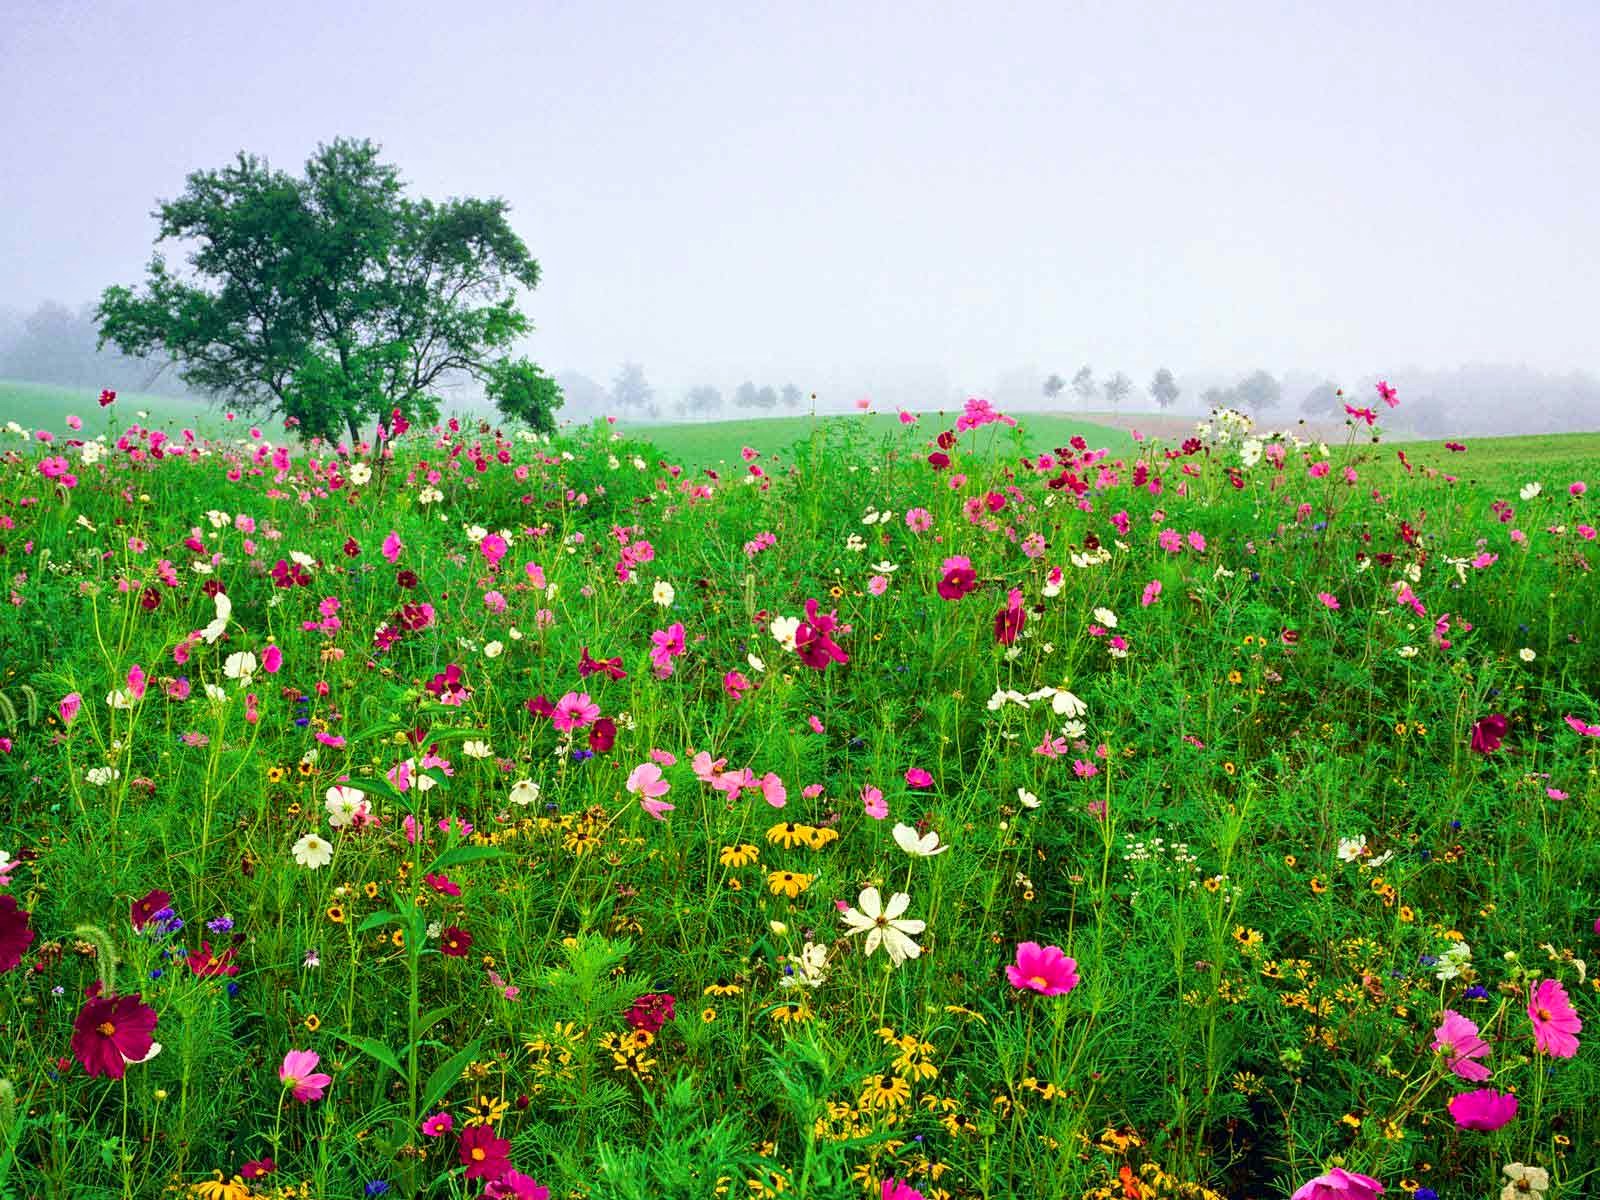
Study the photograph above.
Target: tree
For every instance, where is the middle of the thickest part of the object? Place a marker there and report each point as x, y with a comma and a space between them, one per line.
1117, 389
767, 399
791, 396
584, 397
1258, 391
523, 392
745, 395
702, 401
1084, 386
1322, 401
1164, 389
332, 298
1053, 387
631, 393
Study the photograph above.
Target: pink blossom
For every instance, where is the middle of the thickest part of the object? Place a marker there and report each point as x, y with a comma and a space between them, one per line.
1152, 591
1339, 1184
1484, 1110
300, 1075
573, 711
1042, 969
72, 702
1457, 1037
392, 545
873, 802
773, 791
916, 777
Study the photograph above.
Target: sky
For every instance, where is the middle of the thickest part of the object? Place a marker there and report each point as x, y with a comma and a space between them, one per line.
841, 194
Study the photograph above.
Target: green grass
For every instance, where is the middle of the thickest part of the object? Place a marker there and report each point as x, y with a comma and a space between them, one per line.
717, 444
46, 406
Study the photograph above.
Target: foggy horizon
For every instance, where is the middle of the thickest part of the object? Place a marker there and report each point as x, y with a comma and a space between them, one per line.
836, 198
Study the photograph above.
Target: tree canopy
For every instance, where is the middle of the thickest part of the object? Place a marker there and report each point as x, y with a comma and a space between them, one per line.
334, 298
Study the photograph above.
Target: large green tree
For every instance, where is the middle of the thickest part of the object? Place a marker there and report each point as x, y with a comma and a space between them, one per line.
334, 298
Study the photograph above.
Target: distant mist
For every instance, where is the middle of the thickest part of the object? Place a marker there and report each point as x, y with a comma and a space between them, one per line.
55, 343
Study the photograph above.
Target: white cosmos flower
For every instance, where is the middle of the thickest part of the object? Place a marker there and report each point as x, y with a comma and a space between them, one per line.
100, 776
1526, 654
663, 593
886, 567
494, 649
215, 694
476, 748
219, 623
312, 851
1027, 798
924, 846
344, 805
756, 664
1531, 490
117, 698
1106, 617
784, 630
808, 967
240, 665
1351, 849
1004, 696
885, 926
360, 474
524, 791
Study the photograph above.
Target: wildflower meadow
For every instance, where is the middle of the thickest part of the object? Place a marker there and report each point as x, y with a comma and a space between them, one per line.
463, 811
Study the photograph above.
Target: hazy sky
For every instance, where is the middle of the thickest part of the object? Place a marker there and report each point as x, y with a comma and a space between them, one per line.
859, 188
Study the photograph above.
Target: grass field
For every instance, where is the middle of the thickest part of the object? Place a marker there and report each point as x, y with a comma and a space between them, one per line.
1133, 822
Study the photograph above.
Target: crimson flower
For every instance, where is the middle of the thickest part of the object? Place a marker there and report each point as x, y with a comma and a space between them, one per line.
650, 1011
812, 641
484, 1155
1488, 733
958, 582
455, 941
145, 908
612, 667
15, 933
602, 735
202, 962
112, 1031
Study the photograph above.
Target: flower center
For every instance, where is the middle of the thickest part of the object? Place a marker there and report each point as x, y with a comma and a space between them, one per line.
1039, 981
880, 922
291, 1081
478, 1155
1544, 1014
106, 1028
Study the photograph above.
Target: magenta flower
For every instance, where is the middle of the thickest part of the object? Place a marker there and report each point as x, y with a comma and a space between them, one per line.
392, 545
1339, 1184
72, 702
873, 802
1488, 733
1484, 1109
916, 777
813, 641
893, 1189
1555, 1021
1042, 969
574, 711
300, 1075
1008, 622
1457, 1037
666, 645
438, 1124
1582, 728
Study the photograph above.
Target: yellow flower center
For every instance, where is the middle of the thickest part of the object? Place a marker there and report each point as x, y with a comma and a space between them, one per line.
477, 1154
106, 1028
1039, 981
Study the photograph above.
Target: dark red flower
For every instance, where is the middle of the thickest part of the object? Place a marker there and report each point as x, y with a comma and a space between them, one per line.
150, 598
540, 706
1488, 733
352, 548
602, 734
202, 962
258, 1168
148, 906
484, 1155
442, 884
958, 582
938, 460
611, 666
16, 935
107, 397
111, 1031
651, 1011
455, 941
1008, 623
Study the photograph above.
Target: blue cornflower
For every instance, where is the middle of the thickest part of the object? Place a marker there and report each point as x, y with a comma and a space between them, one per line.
377, 1187
220, 925
1477, 992
1426, 1194
580, 755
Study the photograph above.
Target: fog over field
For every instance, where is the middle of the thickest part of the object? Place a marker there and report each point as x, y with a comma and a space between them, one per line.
909, 207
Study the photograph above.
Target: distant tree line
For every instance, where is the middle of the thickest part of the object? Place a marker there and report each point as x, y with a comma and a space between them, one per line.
56, 344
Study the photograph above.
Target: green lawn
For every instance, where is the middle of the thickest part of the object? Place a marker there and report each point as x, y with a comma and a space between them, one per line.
717, 443
46, 406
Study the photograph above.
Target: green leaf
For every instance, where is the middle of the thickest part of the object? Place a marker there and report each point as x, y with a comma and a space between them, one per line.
461, 855
431, 1019
439, 1082
377, 920
373, 1049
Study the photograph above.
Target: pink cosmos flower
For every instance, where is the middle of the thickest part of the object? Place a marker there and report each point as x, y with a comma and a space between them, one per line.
438, 1124
773, 791
735, 684
272, 659
813, 641
916, 777
919, 520
1152, 591
1329, 600
1582, 728
72, 702
873, 802
300, 1075
878, 585
1457, 1037
893, 1189
1555, 1022
666, 645
392, 545
1339, 1184
706, 769
645, 781
574, 711
1484, 1109
815, 723
1042, 969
